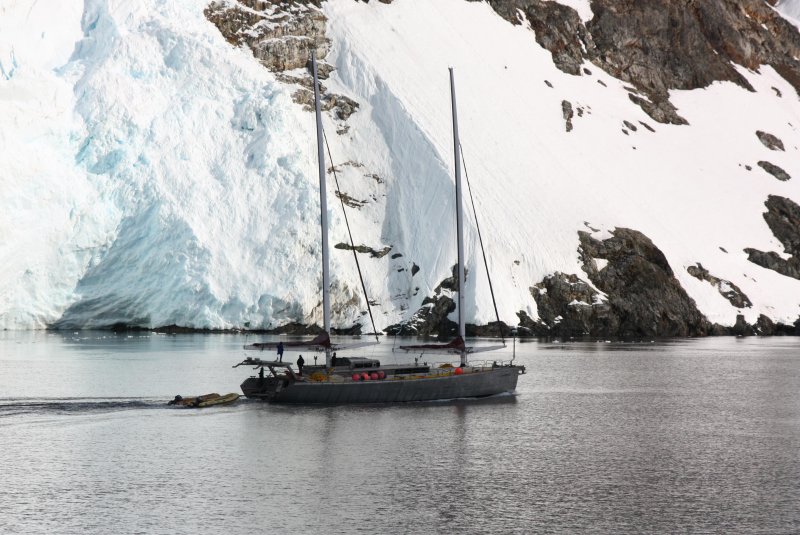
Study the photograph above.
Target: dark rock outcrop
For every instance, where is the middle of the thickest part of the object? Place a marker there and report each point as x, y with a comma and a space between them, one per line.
772, 260
770, 141
741, 327
783, 218
633, 294
349, 201
764, 326
365, 249
342, 106
431, 318
529, 327
774, 170
727, 289
642, 290
566, 111
661, 45
569, 306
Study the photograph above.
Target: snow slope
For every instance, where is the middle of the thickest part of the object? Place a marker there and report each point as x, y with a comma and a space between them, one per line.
790, 9
153, 174
684, 187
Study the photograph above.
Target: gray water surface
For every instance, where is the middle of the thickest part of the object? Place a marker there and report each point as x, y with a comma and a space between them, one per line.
695, 436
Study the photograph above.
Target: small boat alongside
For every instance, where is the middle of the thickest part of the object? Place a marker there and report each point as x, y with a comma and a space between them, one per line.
206, 400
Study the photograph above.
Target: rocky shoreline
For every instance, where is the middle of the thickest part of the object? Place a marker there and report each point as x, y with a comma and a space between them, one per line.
490, 330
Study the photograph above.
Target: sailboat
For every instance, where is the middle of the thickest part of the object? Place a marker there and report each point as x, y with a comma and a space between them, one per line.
363, 380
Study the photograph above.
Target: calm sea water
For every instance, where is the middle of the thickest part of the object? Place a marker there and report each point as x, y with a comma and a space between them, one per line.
696, 436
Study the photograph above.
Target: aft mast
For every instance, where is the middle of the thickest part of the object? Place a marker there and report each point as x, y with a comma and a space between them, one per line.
458, 345
323, 206
459, 220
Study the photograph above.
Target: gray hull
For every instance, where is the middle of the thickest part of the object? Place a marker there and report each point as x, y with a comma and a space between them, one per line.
481, 384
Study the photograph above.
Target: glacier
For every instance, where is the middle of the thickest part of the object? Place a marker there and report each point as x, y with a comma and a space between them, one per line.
153, 174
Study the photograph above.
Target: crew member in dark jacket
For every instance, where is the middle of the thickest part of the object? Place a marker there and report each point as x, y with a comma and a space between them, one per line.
300, 363
280, 351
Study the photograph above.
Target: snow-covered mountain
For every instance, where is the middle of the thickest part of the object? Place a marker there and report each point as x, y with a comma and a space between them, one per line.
158, 163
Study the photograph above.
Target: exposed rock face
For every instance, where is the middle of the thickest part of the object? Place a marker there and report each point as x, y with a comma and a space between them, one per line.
281, 34
741, 327
772, 260
635, 294
349, 201
640, 295
559, 29
775, 171
431, 319
783, 218
661, 45
764, 326
342, 106
642, 290
727, 289
530, 327
630, 126
770, 141
569, 306
364, 249
566, 111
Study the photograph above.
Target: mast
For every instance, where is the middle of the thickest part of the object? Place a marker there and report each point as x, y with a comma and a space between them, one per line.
459, 219
323, 209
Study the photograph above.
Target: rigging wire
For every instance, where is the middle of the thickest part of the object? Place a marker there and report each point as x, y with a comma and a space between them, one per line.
480, 240
350, 234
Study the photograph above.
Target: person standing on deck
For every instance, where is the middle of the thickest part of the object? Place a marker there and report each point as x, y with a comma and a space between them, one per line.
300, 363
280, 351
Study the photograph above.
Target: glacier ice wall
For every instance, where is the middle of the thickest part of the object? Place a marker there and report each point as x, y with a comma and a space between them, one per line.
171, 182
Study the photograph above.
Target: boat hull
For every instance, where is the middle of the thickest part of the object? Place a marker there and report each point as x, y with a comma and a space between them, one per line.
222, 400
206, 400
469, 385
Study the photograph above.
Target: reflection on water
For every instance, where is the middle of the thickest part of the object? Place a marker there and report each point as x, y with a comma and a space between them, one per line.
683, 436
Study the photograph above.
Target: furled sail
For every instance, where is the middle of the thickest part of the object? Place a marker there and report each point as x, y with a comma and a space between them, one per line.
319, 343
455, 346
